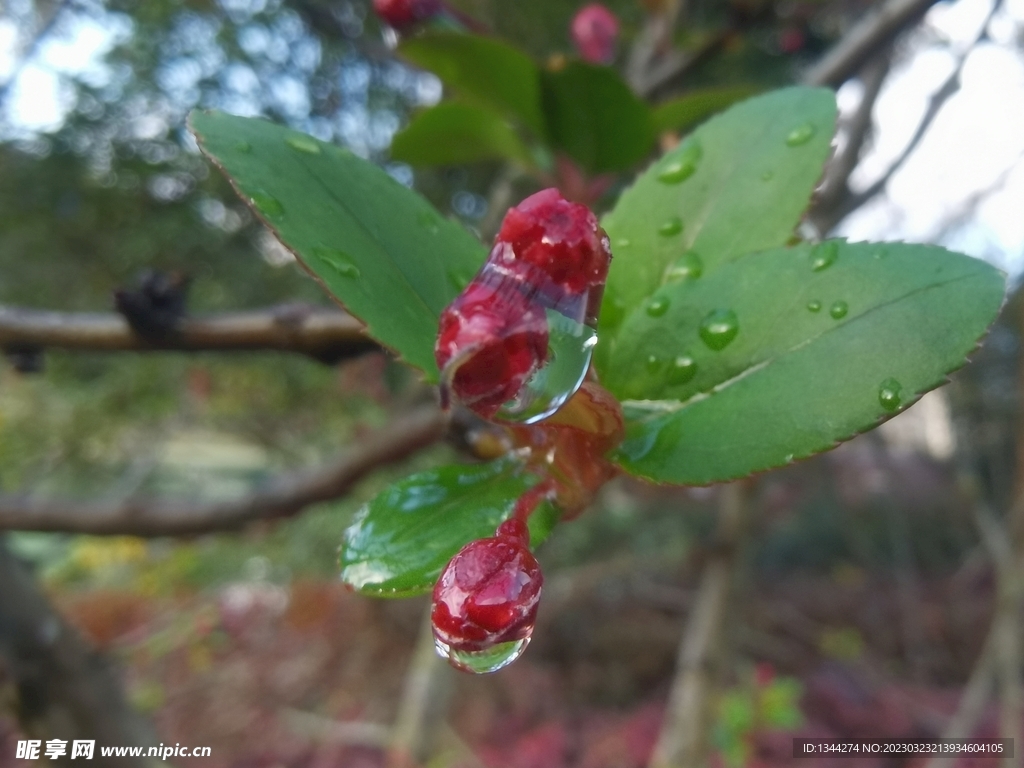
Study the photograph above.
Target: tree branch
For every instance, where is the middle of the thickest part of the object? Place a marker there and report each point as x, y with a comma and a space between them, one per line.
65, 689
950, 86
325, 334
868, 37
837, 174
280, 497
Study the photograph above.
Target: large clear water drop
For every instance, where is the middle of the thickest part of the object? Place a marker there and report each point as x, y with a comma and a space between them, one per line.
483, 662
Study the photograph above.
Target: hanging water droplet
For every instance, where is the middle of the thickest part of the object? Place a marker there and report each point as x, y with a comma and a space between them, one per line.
889, 394
482, 662
800, 135
654, 364
268, 204
300, 142
658, 306
838, 310
719, 328
339, 261
767, 176
430, 221
814, 306
243, 146
570, 349
824, 255
671, 227
682, 370
689, 266
682, 165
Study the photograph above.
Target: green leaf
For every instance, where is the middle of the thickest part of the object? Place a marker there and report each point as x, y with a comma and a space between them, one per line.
595, 118
830, 339
452, 134
739, 183
378, 247
484, 70
401, 540
683, 113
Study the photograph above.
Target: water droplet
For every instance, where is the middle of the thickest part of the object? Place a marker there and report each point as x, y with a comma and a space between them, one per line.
683, 369
337, 260
622, 243
243, 146
889, 394
654, 364
268, 204
824, 255
570, 347
788, 458
800, 135
430, 221
300, 142
676, 172
689, 266
482, 662
814, 306
682, 166
719, 328
767, 176
658, 306
879, 254
838, 310
671, 227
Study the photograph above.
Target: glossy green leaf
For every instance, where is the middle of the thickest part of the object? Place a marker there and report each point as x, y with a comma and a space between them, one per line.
401, 540
739, 183
595, 118
828, 341
453, 133
378, 247
684, 112
484, 70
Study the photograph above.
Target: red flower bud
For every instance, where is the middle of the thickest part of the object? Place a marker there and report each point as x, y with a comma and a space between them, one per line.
595, 32
488, 593
550, 254
402, 14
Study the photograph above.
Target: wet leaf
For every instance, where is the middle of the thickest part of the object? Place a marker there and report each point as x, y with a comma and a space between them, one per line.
401, 540
379, 248
797, 375
738, 184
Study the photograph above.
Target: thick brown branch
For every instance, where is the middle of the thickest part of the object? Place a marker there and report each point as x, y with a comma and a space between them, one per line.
873, 33
281, 497
65, 689
325, 334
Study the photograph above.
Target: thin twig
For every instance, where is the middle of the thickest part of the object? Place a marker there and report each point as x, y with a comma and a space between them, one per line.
873, 33
321, 333
683, 741
938, 99
837, 174
281, 497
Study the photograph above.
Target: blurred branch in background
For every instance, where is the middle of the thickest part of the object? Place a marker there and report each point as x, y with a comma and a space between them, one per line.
63, 687
684, 739
843, 202
327, 335
281, 497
